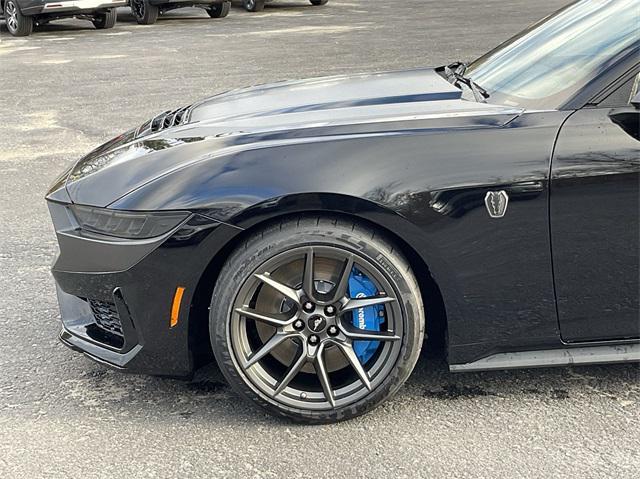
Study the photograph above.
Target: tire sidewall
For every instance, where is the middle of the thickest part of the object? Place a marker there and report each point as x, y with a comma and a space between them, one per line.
15, 5
149, 15
24, 25
106, 20
253, 5
219, 10
243, 263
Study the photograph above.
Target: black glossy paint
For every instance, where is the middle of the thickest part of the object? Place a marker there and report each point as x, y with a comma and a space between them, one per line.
143, 294
594, 221
414, 183
404, 151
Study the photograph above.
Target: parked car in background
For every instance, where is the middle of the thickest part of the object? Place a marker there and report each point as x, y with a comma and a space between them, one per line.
146, 11
258, 5
22, 15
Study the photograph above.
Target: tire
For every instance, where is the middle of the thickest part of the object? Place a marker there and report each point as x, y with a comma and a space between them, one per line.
19, 25
253, 5
219, 10
144, 12
346, 390
107, 20
319, 2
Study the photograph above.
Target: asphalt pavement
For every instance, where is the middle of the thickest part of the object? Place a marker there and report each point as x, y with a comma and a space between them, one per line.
68, 88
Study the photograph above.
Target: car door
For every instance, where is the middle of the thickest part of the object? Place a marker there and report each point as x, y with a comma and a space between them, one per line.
594, 202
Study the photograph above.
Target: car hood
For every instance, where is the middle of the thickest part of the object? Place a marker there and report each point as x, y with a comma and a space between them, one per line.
261, 116
324, 94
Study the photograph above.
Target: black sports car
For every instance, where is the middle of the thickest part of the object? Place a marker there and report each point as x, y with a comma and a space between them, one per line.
303, 231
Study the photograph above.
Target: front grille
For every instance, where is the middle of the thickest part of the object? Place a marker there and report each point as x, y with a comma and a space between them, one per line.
106, 316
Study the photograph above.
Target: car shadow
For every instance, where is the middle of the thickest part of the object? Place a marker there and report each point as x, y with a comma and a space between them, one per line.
188, 14
276, 5
66, 25
208, 397
432, 379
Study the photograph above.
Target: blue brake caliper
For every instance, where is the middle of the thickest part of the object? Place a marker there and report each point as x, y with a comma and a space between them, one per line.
369, 318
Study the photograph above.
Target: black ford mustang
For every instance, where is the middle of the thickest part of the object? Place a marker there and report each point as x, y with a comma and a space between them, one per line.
303, 231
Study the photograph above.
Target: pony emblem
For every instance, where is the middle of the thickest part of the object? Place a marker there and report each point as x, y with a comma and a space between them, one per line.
317, 324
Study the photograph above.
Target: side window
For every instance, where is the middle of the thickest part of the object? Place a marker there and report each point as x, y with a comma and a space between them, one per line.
622, 95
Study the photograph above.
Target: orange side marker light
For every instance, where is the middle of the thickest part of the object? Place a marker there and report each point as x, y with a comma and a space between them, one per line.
175, 308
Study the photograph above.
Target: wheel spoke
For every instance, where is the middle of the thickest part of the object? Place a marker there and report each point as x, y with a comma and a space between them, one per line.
283, 289
266, 348
352, 304
340, 290
351, 355
272, 320
308, 283
292, 372
323, 376
364, 335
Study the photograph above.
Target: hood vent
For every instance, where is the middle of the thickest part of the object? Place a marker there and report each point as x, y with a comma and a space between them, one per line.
165, 120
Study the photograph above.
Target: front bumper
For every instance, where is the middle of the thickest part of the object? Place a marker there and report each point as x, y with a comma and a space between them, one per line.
116, 297
73, 6
82, 332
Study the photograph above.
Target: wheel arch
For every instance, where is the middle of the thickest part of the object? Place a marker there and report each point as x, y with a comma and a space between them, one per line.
389, 223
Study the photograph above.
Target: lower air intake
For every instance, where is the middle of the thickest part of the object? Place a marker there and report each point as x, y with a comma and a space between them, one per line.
106, 316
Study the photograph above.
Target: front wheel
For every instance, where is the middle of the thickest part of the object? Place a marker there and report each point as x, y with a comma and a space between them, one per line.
319, 2
106, 20
219, 10
317, 319
253, 5
19, 25
144, 12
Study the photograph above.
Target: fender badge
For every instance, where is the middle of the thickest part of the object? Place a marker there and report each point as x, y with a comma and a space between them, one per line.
496, 203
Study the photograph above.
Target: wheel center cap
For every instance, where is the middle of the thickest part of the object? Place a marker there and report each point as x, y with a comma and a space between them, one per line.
317, 323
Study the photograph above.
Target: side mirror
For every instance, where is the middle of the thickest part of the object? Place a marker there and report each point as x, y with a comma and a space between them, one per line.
628, 118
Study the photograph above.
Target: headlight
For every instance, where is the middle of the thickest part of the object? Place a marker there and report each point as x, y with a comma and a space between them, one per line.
127, 224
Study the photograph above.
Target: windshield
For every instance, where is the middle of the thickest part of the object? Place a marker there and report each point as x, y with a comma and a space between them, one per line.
545, 65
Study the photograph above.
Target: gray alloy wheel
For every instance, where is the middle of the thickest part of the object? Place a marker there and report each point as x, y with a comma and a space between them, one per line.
253, 5
219, 10
144, 12
19, 25
283, 321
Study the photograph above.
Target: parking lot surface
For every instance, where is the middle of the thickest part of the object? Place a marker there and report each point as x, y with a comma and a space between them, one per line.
69, 88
